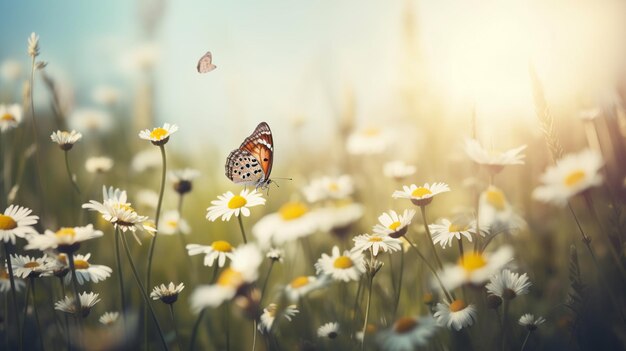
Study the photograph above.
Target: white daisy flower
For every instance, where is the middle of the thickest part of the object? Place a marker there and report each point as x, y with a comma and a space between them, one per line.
345, 267
229, 204
303, 285
168, 294
376, 243
66, 140
218, 251
147, 198
530, 322
26, 266
269, 315
10, 117
572, 174
495, 161
101, 164
159, 135
90, 121
172, 223
328, 331
407, 334
475, 267
293, 220
64, 240
275, 254
339, 217
324, 188
146, 160
457, 314
182, 179
508, 285
105, 95
87, 301
446, 231
398, 170
422, 195
11, 70
368, 141
393, 224
85, 271
5, 281
497, 214
115, 209
108, 318
16, 221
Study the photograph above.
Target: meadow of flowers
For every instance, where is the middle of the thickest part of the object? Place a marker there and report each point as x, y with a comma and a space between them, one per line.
115, 239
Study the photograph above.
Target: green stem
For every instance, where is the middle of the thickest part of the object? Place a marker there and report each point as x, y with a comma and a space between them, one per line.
267, 277
69, 173
367, 309
194, 332
156, 218
175, 327
120, 275
25, 308
254, 335
78, 314
35, 133
430, 238
432, 269
462, 255
39, 330
67, 324
505, 311
525, 340
143, 291
399, 289
13, 293
243, 232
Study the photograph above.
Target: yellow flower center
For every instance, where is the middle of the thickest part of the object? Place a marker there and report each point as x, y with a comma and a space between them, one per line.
394, 225
7, 222
370, 132
230, 277
158, 133
428, 298
124, 207
299, 282
472, 261
172, 223
237, 201
65, 232
453, 228
32, 264
222, 246
333, 187
495, 197
81, 264
404, 325
4, 274
457, 305
574, 178
343, 262
421, 191
292, 210
8, 117
375, 239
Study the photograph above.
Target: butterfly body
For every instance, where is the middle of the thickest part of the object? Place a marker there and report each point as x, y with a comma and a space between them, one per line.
205, 64
251, 163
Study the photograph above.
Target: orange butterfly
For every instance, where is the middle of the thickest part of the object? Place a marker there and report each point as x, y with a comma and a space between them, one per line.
251, 163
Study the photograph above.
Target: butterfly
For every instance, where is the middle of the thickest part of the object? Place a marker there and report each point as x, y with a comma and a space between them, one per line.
251, 163
205, 63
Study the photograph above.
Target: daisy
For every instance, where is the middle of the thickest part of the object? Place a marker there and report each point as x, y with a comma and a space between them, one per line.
445, 232
219, 250
66, 140
457, 314
375, 243
345, 267
229, 204
5, 281
168, 294
100, 164
269, 315
116, 210
496, 213
303, 285
64, 240
508, 285
172, 223
398, 170
275, 254
369, 141
407, 334
572, 174
26, 266
493, 160
147, 198
90, 121
16, 221
292, 221
422, 195
10, 116
87, 301
85, 271
325, 188
105, 95
475, 267
328, 331
393, 224
339, 217
528, 320
159, 135
146, 160
182, 179
109, 318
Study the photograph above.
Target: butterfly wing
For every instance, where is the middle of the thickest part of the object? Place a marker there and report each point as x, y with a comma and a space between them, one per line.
261, 145
205, 64
243, 168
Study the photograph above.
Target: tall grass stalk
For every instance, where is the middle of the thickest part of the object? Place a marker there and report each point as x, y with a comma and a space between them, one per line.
429, 237
156, 217
432, 269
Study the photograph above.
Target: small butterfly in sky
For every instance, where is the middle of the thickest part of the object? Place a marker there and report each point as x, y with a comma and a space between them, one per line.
251, 163
205, 63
